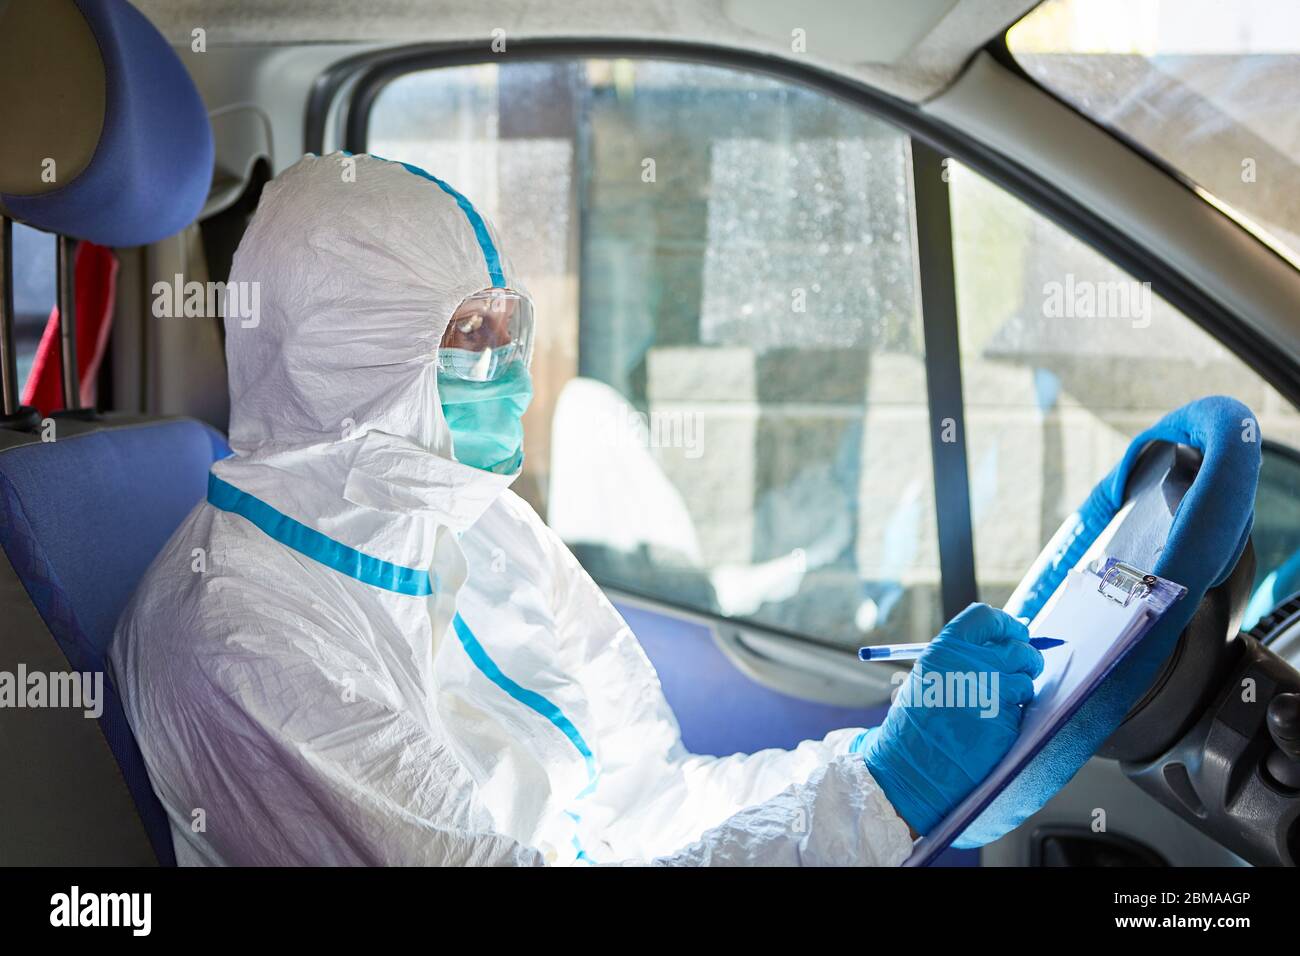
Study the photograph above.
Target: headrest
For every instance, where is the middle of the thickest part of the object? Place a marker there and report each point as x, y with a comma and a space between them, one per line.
105, 136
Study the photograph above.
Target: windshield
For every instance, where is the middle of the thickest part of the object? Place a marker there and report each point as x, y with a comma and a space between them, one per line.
1209, 87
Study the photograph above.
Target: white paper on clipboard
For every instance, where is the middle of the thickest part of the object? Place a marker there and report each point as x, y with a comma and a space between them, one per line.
1100, 612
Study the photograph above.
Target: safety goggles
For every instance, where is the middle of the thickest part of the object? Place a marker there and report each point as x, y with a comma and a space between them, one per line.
488, 332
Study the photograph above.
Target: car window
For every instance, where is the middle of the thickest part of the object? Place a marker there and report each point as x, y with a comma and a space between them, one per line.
731, 410
34, 278
1065, 357
1276, 534
1210, 87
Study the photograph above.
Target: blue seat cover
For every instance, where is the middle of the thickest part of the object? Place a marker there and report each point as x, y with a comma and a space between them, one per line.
80, 520
152, 169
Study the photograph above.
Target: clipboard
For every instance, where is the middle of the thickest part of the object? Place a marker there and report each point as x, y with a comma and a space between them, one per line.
1102, 611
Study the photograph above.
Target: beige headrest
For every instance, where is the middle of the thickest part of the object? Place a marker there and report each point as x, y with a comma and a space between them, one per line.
51, 95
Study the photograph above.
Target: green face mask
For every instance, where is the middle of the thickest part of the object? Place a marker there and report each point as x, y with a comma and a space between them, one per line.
486, 418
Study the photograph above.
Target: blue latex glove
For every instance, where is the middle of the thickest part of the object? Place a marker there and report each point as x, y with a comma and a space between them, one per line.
938, 743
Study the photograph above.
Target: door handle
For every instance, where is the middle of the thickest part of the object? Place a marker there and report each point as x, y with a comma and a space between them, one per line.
824, 674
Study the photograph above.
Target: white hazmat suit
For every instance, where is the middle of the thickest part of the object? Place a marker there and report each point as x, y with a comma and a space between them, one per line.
360, 651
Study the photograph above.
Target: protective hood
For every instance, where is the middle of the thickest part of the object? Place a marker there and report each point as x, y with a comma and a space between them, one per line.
347, 277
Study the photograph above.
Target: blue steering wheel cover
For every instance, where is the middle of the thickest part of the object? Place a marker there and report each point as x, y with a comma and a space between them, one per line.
1209, 533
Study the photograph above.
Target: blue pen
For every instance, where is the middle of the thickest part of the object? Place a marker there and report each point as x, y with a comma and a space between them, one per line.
910, 652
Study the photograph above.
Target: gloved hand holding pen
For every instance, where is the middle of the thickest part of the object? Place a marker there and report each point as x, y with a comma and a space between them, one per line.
956, 715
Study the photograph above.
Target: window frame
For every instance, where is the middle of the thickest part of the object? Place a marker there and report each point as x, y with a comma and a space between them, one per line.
356, 82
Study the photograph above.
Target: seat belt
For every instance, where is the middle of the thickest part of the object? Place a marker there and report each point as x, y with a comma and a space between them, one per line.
95, 268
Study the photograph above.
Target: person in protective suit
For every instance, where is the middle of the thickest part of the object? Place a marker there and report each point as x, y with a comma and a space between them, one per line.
362, 648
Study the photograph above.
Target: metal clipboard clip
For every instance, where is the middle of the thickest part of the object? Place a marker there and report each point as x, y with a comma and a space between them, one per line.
1122, 583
